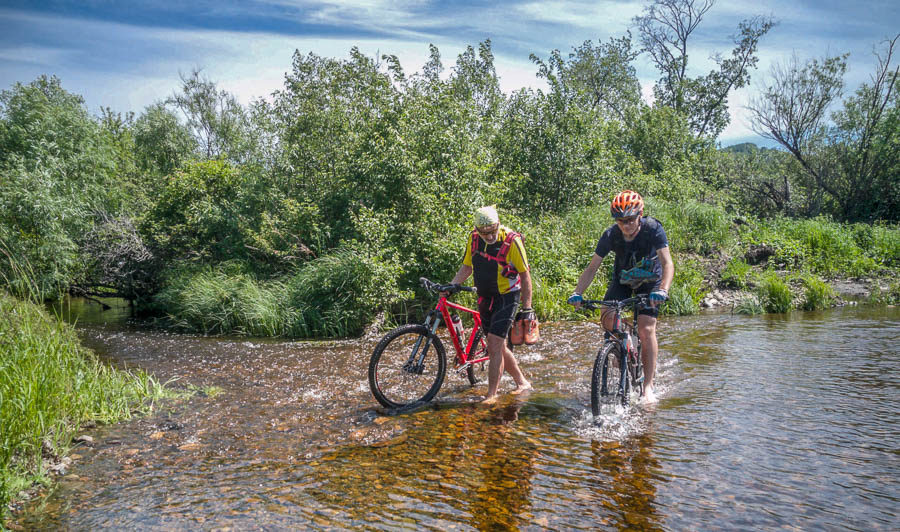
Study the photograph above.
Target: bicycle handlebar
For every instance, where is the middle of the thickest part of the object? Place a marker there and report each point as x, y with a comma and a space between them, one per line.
451, 288
637, 301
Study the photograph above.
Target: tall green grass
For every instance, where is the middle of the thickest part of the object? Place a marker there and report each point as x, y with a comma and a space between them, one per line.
332, 296
824, 247
817, 294
686, 290
693, 227
49, 385
736, 274
775, 294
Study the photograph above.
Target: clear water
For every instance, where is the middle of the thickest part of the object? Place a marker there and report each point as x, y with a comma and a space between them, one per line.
764, 422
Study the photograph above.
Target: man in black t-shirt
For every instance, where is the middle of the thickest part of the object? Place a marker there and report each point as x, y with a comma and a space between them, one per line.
643, 265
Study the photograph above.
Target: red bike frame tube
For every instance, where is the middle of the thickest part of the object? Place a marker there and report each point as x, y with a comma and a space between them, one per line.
443, 306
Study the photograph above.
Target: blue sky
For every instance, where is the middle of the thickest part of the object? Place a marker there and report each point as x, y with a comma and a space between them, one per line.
126, 55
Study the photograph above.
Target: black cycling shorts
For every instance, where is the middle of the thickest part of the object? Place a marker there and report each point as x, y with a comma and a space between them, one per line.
498, 312
618, 292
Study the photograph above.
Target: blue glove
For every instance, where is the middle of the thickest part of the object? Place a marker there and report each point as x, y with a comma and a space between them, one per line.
575, 298
658, 296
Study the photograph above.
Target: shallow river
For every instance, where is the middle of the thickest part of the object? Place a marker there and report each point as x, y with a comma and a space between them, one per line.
766, 422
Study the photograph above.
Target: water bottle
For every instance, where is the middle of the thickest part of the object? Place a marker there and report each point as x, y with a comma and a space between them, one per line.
457, 325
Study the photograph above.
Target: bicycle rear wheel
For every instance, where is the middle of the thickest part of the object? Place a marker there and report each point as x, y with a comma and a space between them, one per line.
608, 387
396, 377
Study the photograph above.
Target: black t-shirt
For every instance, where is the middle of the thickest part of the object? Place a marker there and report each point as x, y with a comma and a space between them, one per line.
649, 239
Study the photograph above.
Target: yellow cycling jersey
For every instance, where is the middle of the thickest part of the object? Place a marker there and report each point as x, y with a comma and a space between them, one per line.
489, 275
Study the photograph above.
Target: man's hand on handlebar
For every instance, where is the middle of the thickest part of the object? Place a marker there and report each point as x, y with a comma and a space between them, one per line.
575, 300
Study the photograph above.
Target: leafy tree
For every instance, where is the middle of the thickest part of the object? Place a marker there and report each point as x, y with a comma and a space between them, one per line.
215, 117
161, 143
854, 157
57, 173
597, 78
665, 30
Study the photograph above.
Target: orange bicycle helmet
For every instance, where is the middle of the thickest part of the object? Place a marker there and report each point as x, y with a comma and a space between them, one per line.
627, 203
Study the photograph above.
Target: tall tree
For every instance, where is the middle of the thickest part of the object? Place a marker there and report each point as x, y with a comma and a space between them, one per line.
597, 78
215, 117
854, 156
665, 31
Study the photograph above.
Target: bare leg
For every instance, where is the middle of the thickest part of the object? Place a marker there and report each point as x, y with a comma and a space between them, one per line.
512, 367
649, 348
496, 346
501, 358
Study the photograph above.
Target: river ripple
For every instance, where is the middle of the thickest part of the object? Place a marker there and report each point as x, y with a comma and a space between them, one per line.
765, 422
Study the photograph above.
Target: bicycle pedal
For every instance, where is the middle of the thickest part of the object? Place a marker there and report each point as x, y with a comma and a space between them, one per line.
462, 369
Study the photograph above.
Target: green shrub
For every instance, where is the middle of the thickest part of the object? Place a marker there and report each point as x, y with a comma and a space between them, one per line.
885, 247
817, 294
687, 289
692, 226
775, 294
749, 305
342, 292
891, 296
736, 274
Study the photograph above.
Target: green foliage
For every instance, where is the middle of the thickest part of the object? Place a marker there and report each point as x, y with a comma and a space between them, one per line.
817, 294
49, 385
227, 300
57, 170
687, 289
340, 293
332, 296
692, 226
822, 246
736, 274
749, 305
774, 294
891, 296
161, 143
215, 211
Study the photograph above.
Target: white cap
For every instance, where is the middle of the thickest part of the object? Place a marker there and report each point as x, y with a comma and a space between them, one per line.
486, 216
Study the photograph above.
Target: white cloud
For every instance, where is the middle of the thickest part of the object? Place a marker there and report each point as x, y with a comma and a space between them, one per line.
610, 16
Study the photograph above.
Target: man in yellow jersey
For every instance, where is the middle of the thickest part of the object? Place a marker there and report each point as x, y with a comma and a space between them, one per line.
497, 257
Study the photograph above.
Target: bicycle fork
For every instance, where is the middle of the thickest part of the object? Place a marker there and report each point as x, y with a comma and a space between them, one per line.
415, 364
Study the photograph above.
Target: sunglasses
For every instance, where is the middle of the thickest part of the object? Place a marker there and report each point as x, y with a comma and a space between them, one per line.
487, 231
627, 220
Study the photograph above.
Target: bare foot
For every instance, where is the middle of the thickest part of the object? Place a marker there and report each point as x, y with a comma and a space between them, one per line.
490, 399
649, 397
522, 388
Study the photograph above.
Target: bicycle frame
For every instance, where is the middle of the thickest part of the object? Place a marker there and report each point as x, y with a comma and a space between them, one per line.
624, 331
442, 309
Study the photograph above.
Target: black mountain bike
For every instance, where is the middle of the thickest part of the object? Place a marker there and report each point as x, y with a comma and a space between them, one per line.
618, 368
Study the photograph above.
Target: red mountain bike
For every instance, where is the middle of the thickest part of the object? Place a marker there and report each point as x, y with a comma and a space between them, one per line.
408, 365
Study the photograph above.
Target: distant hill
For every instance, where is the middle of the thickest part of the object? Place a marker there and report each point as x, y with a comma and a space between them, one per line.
747, 148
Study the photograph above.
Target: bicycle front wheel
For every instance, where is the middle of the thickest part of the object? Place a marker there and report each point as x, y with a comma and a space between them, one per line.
478, 350
407, 367
608, 385
636, 369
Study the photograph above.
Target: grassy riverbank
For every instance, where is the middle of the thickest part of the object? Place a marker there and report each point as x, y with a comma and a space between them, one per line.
49, 386
780, 265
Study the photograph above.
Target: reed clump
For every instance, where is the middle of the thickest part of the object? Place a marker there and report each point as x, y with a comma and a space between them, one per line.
49, 385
